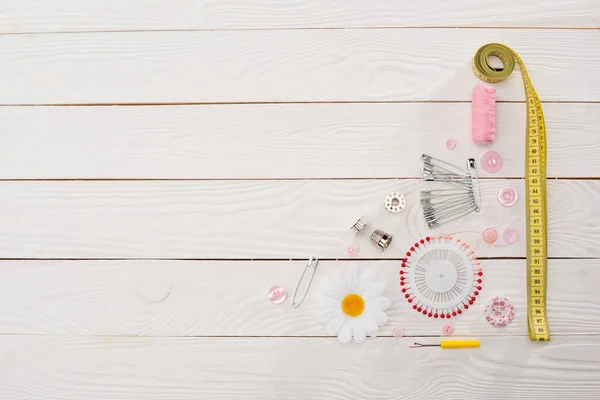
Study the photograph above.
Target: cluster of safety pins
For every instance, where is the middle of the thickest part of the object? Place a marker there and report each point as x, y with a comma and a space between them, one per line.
440, 275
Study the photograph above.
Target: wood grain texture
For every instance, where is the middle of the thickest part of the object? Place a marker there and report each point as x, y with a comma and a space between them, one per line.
263, 219
287, 66
228, 298
301, 140
111, 15
61, 368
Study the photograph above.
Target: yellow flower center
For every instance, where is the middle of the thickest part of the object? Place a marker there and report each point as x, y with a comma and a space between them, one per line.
353, 305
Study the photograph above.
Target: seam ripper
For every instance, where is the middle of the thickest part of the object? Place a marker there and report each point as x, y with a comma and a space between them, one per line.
450, 344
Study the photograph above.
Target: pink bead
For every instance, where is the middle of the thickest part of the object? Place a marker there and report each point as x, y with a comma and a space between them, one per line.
489, 235
397, 332
507, 196
472, 252
510, 236
448, 329
450, 144
491, 162
477, 262
277, 295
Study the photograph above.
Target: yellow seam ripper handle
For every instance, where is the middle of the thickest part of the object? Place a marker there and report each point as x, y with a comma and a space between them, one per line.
535, 183
459, 344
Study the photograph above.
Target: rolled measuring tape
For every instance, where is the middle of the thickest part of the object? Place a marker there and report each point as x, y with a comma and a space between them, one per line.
499, 311
535, 183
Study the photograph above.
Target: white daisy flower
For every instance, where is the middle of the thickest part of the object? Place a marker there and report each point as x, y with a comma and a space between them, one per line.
351, 305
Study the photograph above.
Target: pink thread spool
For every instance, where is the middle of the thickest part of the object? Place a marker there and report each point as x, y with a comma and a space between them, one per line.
483, 107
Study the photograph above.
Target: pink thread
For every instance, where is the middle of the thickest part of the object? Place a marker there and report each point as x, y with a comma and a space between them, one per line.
483, 108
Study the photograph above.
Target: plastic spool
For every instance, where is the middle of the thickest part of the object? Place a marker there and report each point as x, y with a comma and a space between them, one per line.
440, 276
499, 311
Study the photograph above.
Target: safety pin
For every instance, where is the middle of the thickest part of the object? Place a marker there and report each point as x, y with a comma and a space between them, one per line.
313, 263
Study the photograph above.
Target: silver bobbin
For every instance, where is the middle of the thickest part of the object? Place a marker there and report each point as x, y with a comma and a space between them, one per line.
358, 226
394, 202
381, 239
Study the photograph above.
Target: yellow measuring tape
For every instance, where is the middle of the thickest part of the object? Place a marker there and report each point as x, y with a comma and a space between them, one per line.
535, 184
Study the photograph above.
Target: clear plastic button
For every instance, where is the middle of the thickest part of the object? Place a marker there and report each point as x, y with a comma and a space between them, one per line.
508, 196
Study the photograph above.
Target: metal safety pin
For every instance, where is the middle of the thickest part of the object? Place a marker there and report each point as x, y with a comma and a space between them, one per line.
313, 263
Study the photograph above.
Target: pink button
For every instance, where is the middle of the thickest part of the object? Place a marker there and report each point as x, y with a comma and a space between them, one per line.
508, 196
499, 311
277, 295
450, 144
352, 250
510, 236
397, 332
448, 330
491, 162
490, 235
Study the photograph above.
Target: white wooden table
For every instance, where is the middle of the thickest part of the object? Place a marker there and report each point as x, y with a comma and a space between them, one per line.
163, 163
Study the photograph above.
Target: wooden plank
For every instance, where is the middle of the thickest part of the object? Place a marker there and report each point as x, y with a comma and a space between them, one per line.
201, 368
264, 219
228, 298
302, 140
287, 66
110, 15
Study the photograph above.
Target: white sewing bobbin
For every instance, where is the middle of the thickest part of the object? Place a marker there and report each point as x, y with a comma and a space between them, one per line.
395, 202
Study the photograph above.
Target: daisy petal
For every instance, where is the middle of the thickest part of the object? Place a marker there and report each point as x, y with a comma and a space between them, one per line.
366, 281
327, 302
345, 334
353, 279
335, 324
326, 314
333, 289
370, 325
383, 303
376, 289
380, 318
359, 333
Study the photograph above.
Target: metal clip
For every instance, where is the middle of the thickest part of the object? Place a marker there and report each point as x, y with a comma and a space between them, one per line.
313, 263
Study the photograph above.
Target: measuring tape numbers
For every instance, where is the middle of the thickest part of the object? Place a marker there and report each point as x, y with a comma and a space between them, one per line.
535, 184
